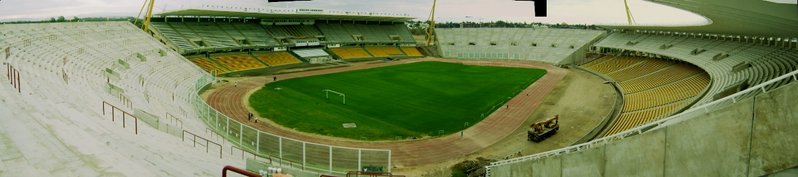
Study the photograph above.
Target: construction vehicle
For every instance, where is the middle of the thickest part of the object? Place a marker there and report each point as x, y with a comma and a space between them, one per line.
539, 131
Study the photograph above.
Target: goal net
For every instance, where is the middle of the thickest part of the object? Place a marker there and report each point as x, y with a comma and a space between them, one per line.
328, 91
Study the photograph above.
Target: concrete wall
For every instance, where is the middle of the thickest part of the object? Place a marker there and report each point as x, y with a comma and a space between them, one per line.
714, 144
753, 137
586, 163
775, 139
637, 156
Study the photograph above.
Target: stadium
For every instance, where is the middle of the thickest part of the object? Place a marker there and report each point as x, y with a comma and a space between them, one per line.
259, 91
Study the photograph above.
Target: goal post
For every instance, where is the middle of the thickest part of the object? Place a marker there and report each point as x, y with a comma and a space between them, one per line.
328, 91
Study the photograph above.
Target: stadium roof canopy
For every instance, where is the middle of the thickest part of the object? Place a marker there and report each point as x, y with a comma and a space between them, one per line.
262, 13
737, 17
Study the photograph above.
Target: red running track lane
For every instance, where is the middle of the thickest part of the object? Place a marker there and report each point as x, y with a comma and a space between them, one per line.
229, 99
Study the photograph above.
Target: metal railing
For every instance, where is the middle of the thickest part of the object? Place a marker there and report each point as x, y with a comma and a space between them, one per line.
688, 114
298, 153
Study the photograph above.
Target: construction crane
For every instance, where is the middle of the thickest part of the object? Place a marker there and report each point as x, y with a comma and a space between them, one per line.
629, 18
431, 28
149, 4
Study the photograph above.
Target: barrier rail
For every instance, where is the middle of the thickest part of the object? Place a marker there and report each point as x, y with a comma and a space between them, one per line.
305, 155
125, 114
207, 142
761, 88
13, 76
239, 171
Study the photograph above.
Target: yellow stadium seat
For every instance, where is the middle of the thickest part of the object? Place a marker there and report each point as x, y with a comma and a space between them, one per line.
652, 88
350, 53
384, 51
278, 58
206, 65
238, 62
412, 51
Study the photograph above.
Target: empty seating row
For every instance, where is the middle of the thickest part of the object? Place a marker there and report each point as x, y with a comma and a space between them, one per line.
197, 37
101, 61
206, 64
234, 62
629, 120
350, 52
238, 62
743, 64
674, 73
293, 31
278, 58
652, 88
362, 33
412, 51
609, 64
539, 44
386, 51
683, 89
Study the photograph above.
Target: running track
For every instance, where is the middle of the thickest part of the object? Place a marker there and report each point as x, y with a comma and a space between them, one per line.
229, 100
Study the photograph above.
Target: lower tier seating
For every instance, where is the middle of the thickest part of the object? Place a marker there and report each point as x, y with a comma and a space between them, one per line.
278, 58
652, 88
350, 52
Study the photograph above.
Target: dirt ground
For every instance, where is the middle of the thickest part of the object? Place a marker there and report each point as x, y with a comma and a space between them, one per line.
580, 99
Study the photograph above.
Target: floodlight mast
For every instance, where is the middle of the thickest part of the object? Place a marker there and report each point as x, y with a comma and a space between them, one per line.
431, 28
147, 16
629, 18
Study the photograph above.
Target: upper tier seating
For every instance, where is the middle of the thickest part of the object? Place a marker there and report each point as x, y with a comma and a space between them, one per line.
293, 31
200, 37
344, 33
254, 33
539, 44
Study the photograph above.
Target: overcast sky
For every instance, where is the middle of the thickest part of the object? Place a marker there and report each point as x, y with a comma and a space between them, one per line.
568, 11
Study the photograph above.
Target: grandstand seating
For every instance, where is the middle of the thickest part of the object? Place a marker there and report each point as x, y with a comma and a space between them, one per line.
412, 51
256, 35
343, 33
384, 51
766, 62
173, 35
336, 33
238, 62
206, 64
540, 44
198, 37
146, 75
350, 52
652, 88
212, 34
278, 58
293, 31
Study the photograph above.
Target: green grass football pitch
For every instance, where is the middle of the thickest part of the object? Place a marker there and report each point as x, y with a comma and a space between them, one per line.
409, 100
